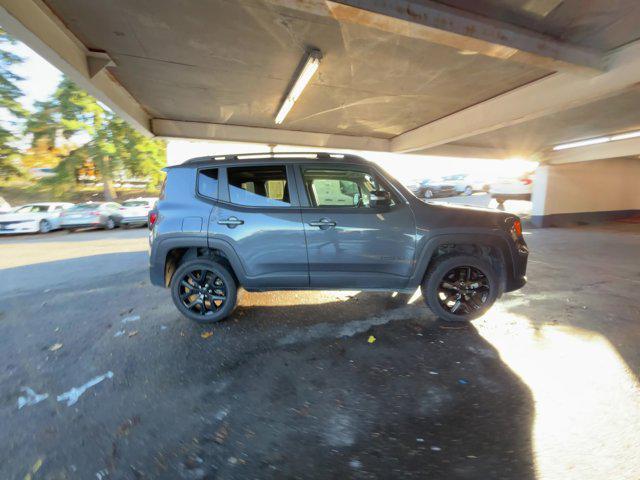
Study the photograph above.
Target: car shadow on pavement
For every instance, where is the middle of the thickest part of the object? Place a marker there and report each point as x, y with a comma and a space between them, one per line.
343, 394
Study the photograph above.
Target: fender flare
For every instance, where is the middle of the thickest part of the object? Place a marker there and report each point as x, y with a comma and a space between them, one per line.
161, 252
485, 238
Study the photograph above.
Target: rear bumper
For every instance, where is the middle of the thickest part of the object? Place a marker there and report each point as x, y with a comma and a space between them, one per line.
132, 220
511, 196
81, 225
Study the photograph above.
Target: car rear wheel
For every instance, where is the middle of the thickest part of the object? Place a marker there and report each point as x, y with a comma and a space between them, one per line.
45, 226
460, 288
204, 291
110, 224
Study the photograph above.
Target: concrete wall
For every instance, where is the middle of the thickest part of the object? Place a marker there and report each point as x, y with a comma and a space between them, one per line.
586, 191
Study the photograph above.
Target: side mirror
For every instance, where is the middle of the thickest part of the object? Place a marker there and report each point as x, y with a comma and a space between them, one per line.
379, 199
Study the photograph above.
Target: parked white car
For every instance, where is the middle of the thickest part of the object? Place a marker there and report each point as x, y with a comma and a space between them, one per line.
5, 207
513, 188
33, 217
464, 184
135, 211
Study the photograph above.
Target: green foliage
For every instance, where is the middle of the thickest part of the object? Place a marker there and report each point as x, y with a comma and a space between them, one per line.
10, 106
114, 147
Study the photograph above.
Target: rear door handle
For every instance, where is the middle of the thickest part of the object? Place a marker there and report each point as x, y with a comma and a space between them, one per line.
323, 223
231, 222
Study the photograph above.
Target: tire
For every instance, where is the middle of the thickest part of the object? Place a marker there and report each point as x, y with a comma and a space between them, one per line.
500, 200
180, 294
483, 295
44, 227
110, 224
428, 193
468, 190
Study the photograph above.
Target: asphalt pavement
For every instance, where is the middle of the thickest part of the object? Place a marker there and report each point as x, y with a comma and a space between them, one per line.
102, 378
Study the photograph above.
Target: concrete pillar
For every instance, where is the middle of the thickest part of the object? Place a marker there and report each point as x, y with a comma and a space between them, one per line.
586, 192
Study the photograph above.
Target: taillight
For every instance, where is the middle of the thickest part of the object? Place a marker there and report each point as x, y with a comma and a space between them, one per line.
151, 219
526, 181
95, 214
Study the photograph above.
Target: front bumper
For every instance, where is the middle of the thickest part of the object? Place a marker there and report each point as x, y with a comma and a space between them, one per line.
7, 228
519, 258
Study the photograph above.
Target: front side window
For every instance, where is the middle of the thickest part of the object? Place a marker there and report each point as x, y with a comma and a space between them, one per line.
339, 188
208, 182
263, 186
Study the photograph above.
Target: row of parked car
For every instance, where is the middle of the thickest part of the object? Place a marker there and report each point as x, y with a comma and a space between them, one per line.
507, 188
47, 216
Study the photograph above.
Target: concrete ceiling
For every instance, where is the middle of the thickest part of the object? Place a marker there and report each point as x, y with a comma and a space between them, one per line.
231, 62
469, 77
600, 24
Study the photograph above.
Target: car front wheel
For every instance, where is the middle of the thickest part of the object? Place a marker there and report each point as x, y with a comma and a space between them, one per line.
45, 226
203, 290
460, 287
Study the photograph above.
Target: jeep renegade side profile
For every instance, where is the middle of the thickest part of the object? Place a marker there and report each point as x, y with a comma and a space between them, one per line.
322, 221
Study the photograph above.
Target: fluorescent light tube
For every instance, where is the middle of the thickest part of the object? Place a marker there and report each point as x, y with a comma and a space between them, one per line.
625, 136
582, 143
309, 69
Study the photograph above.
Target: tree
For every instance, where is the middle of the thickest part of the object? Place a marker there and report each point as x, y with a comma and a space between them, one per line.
11, 110
113, 145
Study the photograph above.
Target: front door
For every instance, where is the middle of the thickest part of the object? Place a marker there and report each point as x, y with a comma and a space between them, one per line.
260, 217
351, 243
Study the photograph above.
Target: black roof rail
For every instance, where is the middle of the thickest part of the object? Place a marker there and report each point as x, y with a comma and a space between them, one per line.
256, 156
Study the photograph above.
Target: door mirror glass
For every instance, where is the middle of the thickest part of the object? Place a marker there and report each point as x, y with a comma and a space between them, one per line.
380, 199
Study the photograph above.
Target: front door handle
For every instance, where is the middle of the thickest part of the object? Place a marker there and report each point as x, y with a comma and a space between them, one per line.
323, 223
231, 222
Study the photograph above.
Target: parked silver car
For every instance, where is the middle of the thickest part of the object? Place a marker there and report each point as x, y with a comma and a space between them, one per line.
33, 217
136, 211
92, 215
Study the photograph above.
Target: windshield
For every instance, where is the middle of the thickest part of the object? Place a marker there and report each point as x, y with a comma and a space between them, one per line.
33, 209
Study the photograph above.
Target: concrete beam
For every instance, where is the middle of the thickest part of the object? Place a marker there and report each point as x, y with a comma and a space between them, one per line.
235, 133
616, 149
466, 151
34, 23
97, 61
546, 96
452, 27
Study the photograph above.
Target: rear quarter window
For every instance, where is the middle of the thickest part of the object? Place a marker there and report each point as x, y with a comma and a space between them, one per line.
208, 182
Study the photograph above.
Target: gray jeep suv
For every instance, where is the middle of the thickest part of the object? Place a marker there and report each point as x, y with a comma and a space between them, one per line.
322, 221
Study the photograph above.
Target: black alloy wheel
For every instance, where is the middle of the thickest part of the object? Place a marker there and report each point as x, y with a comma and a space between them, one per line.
202, 292
463, 290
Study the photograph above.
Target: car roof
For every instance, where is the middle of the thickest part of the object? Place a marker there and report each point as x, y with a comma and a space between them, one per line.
270, 158
46, 204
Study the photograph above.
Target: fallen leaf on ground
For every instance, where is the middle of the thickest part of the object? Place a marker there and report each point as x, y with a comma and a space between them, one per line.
371, 339
133, 333
206, 335
55, 346
221, 434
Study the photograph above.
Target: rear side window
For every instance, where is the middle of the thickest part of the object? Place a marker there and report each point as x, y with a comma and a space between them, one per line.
263, 186
208, 182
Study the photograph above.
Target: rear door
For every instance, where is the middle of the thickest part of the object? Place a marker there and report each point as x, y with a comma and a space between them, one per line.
258, 214
351, 244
